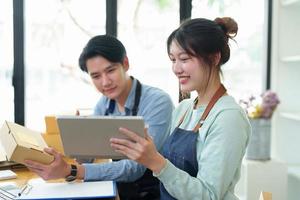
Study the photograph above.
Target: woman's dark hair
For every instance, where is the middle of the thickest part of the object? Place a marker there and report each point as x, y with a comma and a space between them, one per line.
203, 38
106, 46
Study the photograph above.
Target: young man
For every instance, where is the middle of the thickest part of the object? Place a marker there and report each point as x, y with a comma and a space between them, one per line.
104, 59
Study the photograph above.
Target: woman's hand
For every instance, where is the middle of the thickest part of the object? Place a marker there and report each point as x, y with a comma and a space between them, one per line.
58, 168
139, 149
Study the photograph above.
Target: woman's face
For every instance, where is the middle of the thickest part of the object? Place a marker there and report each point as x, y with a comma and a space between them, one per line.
187, 68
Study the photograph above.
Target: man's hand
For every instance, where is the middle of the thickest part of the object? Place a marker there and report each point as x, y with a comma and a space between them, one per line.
58, 168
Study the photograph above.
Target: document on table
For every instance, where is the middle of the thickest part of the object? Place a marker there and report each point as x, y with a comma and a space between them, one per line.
73, 190
7, 174
2, 153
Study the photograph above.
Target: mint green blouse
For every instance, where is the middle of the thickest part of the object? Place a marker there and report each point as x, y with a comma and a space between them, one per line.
221, 145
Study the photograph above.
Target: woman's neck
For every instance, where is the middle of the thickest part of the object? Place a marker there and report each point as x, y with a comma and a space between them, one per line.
206, 94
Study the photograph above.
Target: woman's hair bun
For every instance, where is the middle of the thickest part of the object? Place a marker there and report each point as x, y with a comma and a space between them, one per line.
228, 25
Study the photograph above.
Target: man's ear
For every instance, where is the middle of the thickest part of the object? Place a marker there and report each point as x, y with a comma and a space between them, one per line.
126, 63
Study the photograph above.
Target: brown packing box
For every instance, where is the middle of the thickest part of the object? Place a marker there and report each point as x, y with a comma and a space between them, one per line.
51, 125
52, 135
265, 196
21, 143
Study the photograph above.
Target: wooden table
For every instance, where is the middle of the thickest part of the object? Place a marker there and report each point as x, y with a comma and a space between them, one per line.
24, 175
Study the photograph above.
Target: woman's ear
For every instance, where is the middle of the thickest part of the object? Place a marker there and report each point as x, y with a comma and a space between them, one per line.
217, 58
126, 63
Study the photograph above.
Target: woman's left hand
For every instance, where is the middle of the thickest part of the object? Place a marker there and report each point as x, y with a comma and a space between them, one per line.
139, 149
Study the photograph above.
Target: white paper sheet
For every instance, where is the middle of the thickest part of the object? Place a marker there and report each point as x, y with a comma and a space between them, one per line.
74, 190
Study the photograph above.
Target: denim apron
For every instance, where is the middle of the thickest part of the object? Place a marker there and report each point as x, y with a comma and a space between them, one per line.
180, 147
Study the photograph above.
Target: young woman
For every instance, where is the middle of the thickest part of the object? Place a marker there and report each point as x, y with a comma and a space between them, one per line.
202, 157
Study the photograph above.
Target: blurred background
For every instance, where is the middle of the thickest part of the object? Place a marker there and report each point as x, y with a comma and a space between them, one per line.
40, 42
55, 31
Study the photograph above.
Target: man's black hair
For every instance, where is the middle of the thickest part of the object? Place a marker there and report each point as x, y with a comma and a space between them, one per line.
106, 46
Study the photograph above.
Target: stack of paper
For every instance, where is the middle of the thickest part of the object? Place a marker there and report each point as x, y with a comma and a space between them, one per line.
7, 174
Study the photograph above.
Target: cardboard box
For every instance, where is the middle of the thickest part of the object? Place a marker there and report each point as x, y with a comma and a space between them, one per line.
51, 125
54, 141
265, 196
52, 135
21, 143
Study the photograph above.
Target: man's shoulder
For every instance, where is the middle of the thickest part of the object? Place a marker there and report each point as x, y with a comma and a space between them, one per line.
155, 97
101, 105
153, 92
103, 100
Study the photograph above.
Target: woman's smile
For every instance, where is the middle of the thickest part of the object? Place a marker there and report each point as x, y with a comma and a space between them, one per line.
183, 79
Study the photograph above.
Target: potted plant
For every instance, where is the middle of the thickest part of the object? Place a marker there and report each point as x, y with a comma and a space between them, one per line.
260, 110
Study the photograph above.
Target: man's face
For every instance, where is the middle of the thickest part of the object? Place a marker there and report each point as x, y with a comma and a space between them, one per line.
109, 78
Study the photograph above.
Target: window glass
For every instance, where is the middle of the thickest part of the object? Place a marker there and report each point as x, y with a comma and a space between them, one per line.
143, 27
55, 34
243, 74
6, 62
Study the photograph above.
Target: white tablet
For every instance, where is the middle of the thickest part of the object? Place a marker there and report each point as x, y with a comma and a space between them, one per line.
88, 136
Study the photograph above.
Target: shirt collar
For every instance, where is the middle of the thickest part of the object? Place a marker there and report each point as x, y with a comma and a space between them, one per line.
130, 99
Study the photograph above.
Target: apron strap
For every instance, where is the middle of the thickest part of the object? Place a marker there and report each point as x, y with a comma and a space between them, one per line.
137, 97
218, 94
138, 94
